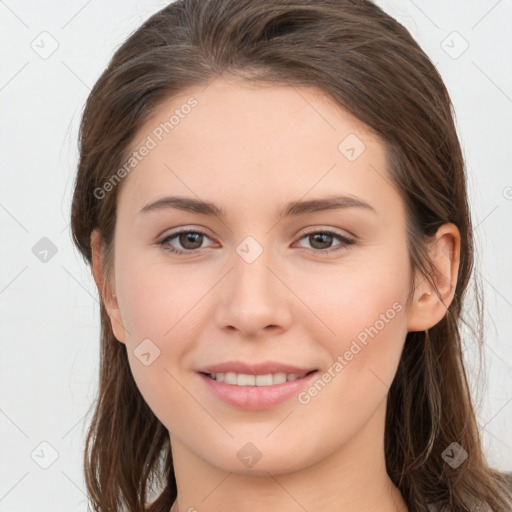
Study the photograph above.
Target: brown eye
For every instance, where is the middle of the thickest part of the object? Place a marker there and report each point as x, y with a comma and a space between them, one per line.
322, 241
188, 241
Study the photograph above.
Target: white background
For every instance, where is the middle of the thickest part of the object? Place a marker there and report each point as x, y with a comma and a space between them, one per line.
49, 311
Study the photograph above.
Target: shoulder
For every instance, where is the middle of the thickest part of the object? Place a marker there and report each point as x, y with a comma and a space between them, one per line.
508, 478
476, 505
481, 506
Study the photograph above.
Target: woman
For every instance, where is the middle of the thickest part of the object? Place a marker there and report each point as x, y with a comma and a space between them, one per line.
272, 198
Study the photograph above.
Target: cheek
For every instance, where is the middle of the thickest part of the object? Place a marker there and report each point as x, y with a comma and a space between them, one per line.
161, 303
155, 313
354, 297
365, 308
364, 357
159, 298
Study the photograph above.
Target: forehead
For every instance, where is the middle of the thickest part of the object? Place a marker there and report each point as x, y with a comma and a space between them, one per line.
258, 143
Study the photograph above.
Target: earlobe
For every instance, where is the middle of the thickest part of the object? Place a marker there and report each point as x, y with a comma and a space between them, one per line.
433, 296
108, 298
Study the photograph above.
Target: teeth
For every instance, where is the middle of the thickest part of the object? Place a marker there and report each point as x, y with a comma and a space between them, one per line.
243, 379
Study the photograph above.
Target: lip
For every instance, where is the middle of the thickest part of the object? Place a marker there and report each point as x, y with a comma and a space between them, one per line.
262, 368
257, 397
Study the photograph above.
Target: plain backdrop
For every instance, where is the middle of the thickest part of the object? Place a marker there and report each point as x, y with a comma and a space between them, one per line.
52, 54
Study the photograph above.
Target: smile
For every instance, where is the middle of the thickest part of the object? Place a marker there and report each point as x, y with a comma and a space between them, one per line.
256, 392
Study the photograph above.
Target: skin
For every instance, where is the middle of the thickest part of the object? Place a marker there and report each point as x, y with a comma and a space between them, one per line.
251, 149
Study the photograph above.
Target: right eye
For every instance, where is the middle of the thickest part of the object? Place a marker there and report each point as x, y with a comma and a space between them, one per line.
190, 240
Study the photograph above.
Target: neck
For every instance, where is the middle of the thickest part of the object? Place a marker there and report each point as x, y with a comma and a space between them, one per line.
388, 500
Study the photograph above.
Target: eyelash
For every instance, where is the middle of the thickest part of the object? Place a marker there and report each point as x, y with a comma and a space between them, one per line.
345, 242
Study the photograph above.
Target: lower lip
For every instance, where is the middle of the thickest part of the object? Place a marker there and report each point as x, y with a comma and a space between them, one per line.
257, 397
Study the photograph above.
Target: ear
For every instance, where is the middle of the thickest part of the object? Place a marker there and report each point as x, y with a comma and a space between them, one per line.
105, 288
430, 304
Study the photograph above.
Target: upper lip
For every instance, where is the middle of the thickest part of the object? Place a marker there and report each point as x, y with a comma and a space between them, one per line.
263, 368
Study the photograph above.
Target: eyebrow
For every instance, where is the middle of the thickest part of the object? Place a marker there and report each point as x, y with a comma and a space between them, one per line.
293, 208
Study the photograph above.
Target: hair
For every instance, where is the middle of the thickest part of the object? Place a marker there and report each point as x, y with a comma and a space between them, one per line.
372, 67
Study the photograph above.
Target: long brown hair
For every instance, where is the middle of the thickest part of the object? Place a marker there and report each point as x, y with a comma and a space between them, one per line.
371, 66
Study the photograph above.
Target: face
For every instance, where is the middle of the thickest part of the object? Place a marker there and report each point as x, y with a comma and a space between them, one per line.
264, 284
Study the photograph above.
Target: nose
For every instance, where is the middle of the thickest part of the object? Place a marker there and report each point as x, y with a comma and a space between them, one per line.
254, 299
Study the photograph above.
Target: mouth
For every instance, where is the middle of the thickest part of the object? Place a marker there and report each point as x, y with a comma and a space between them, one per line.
256, 392
246, 379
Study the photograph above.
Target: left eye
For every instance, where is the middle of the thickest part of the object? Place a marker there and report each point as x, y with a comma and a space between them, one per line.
193, 240
325, 238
